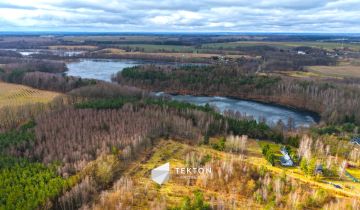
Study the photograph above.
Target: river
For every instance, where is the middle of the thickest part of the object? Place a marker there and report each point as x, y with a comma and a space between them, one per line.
103, 69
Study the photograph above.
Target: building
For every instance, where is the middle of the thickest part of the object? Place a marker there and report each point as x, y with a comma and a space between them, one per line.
301, 52
319, 169
355, 140
285, 160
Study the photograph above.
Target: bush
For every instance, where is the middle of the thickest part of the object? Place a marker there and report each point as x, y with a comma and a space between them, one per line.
220, 145
14, 137
15, 76
197, 204
269, 154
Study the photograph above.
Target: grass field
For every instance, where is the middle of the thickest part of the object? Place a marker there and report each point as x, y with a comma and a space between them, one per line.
308, 74
14, 95
342, 70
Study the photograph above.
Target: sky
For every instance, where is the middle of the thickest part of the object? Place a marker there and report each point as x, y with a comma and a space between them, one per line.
317, 16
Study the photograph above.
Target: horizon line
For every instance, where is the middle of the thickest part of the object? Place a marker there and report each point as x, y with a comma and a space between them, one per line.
178, 32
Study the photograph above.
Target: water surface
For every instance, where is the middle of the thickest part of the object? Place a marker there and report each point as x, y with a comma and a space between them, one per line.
259, 111
101, 69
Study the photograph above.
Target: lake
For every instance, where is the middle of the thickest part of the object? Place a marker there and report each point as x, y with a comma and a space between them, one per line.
103, 69
271, 113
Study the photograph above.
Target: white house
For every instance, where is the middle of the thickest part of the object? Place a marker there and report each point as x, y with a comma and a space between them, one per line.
301, 52
355, 140
285, 160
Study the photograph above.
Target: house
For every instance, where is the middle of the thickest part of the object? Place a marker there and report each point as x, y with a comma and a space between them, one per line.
355, 140
319, 169
285, 160
301, 52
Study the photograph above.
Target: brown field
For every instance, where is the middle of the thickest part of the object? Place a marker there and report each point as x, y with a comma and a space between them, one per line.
342, 70
15, 95
307, 74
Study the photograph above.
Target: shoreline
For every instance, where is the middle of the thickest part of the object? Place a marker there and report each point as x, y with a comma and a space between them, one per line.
316, 116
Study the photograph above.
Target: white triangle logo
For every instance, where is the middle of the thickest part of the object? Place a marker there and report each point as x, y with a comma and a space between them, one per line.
161, 174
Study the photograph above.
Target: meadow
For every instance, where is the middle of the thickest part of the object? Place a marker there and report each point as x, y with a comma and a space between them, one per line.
342, 70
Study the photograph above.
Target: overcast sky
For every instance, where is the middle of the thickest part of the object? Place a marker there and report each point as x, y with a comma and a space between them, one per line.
181, 15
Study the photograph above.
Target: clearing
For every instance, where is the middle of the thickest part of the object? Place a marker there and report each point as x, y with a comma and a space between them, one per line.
342, 70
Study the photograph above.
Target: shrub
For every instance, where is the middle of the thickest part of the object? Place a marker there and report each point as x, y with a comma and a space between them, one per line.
220, 145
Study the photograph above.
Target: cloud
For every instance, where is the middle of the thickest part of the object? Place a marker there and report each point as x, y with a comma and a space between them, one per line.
13, 6
178, 15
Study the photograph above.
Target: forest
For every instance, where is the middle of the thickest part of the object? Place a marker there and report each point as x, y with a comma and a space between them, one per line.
233, 81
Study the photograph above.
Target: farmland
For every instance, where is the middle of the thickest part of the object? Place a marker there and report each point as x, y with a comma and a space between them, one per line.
285, 45
341, 70
14, 95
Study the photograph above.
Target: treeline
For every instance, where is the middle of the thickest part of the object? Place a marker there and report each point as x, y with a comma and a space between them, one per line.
45, 81
275, 61
29, 65
335, 102
105, 54
277, 58
229, 123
